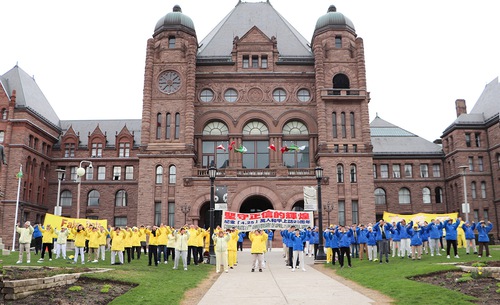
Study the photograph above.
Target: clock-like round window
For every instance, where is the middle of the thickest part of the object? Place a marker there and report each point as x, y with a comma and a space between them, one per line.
206, 95
279, 95
304, 95
169, 82
231, 95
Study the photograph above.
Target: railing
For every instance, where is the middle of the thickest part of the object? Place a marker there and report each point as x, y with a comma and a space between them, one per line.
301, 172
257, 172
342, 92
260, 172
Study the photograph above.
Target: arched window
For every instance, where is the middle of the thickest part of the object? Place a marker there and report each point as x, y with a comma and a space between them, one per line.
473, 189
353, 125
426, 195
215, 128
158, 126
341, 81
93, 198
483, 189
334, 124
439, 195
353, 174
295, 128
159, 174
340, 173
177, 130
380, 196
168, 122
121, 198
172, 174
404, 196
255, 128
66, 198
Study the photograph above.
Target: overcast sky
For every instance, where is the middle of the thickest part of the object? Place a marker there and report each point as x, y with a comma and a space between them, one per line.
88, 56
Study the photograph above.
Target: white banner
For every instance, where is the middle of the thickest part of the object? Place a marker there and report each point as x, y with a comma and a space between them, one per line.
310, 198
268, 219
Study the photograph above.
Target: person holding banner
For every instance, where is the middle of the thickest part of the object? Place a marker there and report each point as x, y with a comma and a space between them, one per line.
258, 239
80, 235
25, 235
62, 239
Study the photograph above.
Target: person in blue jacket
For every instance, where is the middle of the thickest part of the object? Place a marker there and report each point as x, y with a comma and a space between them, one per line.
451, 236
314, 240
371, 244
362, 240
424, 234
239, 244
415, 241
483, 238
401, 228
334, 244
297, 238
396, 242
383, 231
470, 238
270, 236
37, 238
434, 229
344, 236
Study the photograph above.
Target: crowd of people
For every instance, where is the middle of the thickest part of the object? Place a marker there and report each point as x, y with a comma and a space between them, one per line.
190, 243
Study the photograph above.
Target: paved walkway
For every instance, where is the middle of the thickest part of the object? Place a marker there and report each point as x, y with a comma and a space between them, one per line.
278, 285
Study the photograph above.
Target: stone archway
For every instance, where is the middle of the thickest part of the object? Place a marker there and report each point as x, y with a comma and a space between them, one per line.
204, 221
256, 203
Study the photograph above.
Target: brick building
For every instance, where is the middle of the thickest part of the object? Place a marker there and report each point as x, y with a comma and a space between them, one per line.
252, 85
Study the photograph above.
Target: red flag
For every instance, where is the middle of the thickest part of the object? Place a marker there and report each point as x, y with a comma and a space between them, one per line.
231, 145
284, 149
272, 147
221, 147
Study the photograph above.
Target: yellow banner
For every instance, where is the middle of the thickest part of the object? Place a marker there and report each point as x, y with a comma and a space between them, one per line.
57, 222
418, 218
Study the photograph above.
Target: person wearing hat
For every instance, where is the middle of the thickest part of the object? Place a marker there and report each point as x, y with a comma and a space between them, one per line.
483, 238
62, 239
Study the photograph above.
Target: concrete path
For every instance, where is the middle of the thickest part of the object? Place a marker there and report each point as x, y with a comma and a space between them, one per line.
278, 285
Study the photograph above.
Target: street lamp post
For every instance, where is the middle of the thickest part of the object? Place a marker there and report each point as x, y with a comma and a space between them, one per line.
321, 256
79, 173
185, 209
60, 176
212, 173
328, 209
465, 208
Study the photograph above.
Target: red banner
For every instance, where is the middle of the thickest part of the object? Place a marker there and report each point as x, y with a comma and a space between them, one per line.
268, 219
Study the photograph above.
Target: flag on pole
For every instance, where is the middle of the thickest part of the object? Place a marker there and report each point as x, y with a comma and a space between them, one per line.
20, 174
294, 147
284, 149
232, 145
221, 147
242, 149
272, 147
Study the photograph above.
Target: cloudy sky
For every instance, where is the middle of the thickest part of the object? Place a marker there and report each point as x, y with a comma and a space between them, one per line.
88, 56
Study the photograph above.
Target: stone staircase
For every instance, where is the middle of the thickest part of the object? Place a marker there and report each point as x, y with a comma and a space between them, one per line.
3, 249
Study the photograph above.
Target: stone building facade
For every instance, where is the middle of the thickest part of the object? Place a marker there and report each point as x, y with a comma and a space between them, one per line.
261, 104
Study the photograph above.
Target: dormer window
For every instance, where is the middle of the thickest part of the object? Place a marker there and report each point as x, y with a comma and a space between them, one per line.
255, 61
171, 42
338, 42
96, 150
263, 61
246, 61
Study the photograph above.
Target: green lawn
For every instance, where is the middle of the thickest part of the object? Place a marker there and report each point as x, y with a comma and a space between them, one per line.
392, 279
156, 285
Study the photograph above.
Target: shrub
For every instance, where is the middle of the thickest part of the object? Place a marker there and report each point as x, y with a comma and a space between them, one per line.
75, 288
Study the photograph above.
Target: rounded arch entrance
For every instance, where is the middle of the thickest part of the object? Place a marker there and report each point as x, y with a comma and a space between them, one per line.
255, 204
204, 221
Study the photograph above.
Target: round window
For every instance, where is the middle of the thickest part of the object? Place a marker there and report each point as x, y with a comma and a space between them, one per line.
231, 95
279, 95
304, 95
206, 95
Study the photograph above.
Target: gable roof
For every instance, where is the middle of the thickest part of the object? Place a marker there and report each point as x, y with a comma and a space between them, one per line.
389, 139
219, 42
110, 128
28, 94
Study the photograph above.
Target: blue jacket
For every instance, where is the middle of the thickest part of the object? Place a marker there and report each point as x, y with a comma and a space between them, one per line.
387, 228
483, 233
416, 239
333, 239
314, 238
402, 230
36, 232
344, 238
371, 238
297, 242
469, 231
286, 238
451, 230
270, 234
395, 236
241, 235
435, 231
362, 239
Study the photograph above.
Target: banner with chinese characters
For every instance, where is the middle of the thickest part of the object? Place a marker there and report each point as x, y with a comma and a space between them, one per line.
268, 219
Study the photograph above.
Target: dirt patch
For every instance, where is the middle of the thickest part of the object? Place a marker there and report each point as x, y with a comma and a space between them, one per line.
378, 297
193, 296
92, 292
483, 288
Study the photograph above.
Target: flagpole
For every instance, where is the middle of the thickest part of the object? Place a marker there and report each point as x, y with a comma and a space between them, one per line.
20, 176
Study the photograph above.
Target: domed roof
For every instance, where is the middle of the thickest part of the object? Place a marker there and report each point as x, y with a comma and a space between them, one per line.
175, 20
334, 19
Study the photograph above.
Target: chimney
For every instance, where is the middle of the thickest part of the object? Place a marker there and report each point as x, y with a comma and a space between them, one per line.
461, 107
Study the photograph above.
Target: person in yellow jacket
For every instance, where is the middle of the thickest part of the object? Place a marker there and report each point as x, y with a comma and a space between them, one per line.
103, 241
200, 243
259, 241
25, 235
93, 235
128, 243
79, 234
47, 241
117, 245
162, 242
461, 241
136, 242
181, 247
221, 239
153, 234
232, 247
194, 232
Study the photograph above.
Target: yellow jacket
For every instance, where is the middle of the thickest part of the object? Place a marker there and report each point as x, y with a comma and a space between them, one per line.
103, 237
93, 238
143, 234
200, 242
233, 242
182, 240
48, 234
128, 238
171, 240
193, 234
118, 243
79, 237
136, 237
153, 240
258, 242
163, 238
